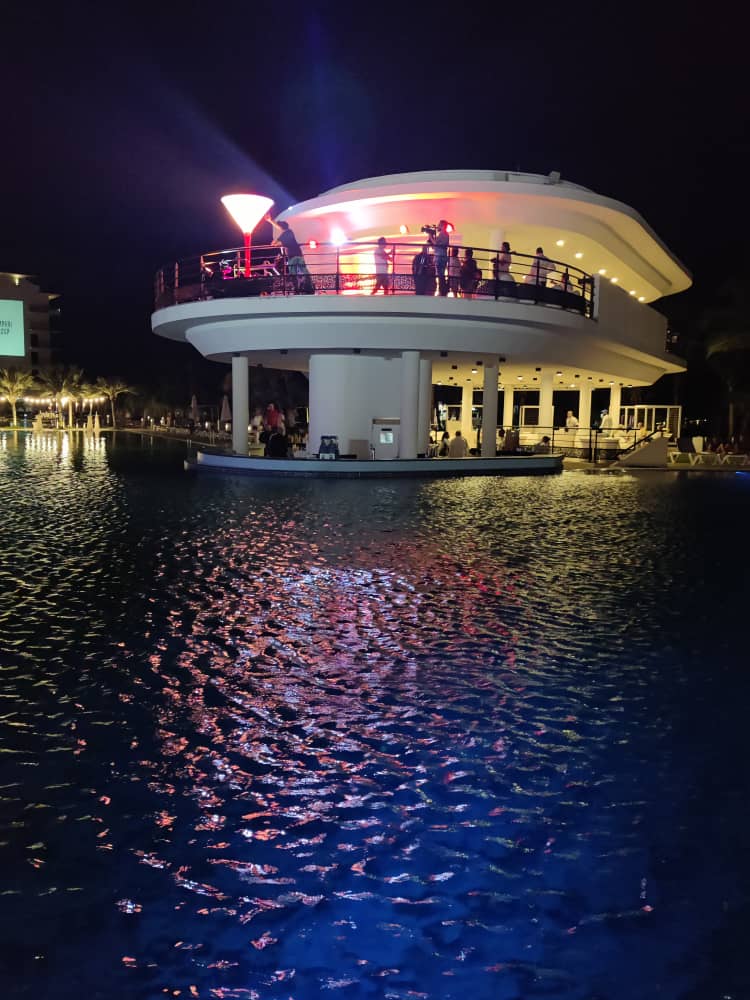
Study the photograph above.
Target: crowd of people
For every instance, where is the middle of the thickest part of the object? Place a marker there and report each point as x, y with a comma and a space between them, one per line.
437, 268
278, 432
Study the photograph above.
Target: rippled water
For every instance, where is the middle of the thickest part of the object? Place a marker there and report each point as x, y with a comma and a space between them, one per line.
399, 739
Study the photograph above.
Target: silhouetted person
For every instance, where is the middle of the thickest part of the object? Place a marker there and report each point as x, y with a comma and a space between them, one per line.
470, 274
423, 269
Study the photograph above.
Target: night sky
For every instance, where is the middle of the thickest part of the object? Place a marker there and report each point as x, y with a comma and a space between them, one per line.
123, 128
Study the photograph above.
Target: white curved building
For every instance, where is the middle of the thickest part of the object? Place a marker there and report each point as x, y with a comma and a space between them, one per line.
584, 324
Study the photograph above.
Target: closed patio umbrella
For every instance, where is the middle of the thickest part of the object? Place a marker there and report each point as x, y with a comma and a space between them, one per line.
226, 412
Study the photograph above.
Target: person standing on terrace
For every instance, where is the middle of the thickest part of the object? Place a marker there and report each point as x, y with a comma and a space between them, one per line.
423, 270
382, 259
441, 241
454, 272
470, 274
540, 269
501, 264
294, 257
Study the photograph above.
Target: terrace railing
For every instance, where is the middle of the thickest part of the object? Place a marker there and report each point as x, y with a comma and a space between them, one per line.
353, 269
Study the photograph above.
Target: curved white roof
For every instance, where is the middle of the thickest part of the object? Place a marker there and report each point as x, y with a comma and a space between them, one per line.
441, 176
572, 223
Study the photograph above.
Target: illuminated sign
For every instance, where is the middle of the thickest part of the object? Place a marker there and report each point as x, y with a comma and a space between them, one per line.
12, 342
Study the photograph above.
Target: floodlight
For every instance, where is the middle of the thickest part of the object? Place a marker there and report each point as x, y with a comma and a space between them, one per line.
247, 210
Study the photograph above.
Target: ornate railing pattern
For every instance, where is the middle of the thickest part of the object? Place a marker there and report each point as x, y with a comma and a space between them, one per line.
353, 269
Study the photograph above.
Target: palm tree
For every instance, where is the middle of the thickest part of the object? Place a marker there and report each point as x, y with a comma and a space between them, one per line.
112, 388
87, 391
727, 329
62, 383
14, 385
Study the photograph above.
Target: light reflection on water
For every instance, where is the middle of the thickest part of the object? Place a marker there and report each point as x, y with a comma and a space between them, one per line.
388, 740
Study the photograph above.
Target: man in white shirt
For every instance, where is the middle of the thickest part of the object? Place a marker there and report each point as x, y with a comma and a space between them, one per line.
541, 268
458, 447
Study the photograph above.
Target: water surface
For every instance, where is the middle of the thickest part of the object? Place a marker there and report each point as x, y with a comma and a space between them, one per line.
399, 739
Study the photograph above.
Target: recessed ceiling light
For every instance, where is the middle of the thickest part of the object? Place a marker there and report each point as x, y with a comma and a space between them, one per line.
611, 383
519, 377
578, 255
602, 270
641, 298
614, 280
558, 373
473, 371
559, 243
632, 291
572, 386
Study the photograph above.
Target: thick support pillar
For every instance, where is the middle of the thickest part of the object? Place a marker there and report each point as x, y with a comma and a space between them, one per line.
508, 406
425, 406
584, 407
240, 404
615, 393
546, 409
409, 430
489, 412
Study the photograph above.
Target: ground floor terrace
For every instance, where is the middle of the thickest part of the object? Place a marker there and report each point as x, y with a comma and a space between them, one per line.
383, 357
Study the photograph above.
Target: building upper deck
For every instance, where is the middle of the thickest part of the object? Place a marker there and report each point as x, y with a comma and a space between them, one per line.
601, 234
365, 268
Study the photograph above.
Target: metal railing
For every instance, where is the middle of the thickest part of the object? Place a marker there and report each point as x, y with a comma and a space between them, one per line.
369, 268
592, 443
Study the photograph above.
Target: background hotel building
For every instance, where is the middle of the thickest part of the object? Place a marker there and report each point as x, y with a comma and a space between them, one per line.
27, 322
373, 357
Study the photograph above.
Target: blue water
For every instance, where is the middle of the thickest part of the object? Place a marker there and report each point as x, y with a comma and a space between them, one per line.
400, 739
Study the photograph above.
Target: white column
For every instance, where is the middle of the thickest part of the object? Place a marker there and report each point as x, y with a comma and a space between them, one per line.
425, 405
495, 237
615, 393
489, 412
508, 406
467, 398
409, 430
240, 404
346, 393
546, 409
584, 407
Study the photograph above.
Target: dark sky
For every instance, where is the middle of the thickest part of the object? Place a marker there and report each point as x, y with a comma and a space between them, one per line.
123, 127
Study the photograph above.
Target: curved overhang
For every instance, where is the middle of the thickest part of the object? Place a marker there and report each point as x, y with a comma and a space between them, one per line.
486, 207
458, 335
